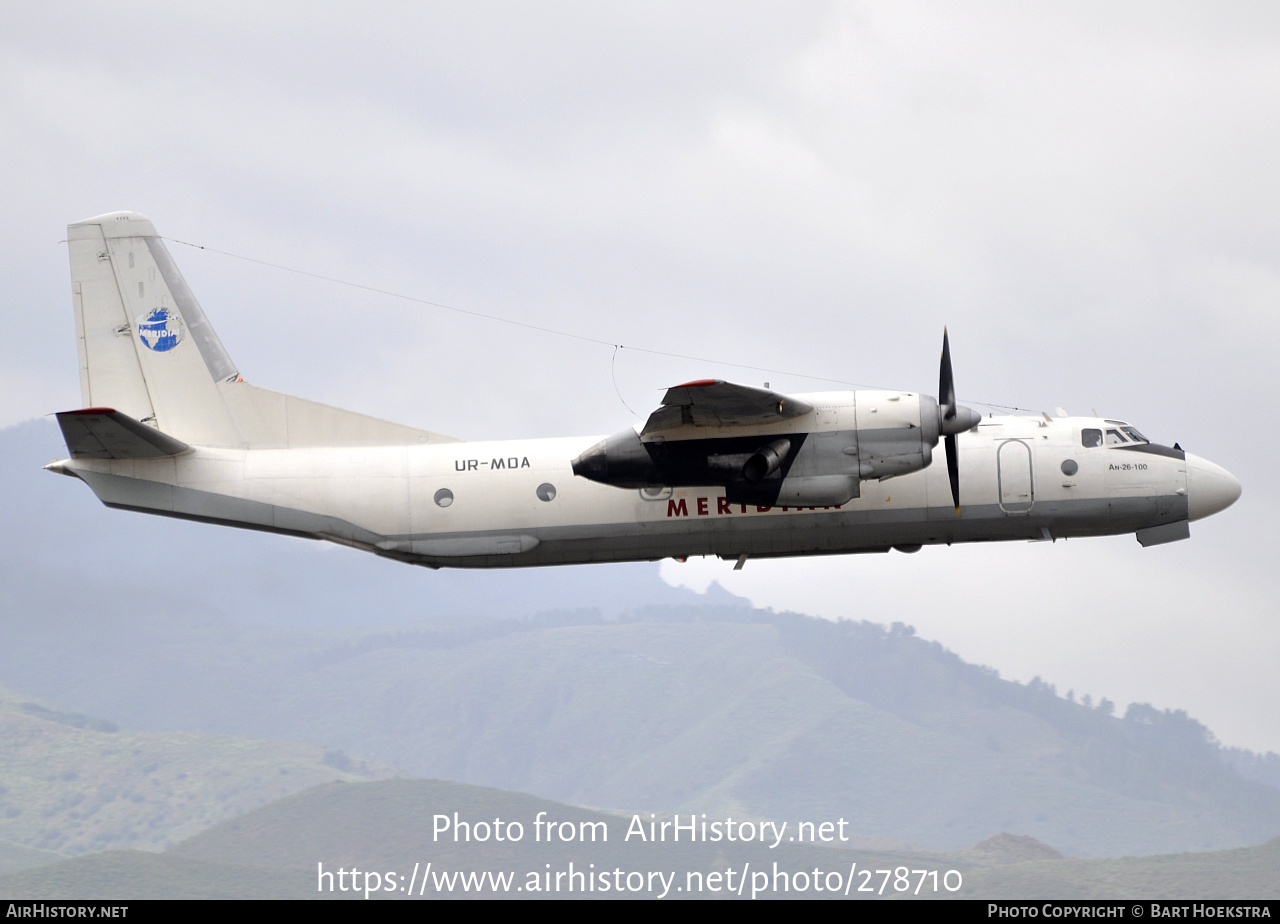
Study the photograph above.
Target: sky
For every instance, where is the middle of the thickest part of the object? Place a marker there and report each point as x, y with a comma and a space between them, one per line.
1085, 194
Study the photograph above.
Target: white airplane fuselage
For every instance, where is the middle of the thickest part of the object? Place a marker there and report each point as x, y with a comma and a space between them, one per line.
384, 499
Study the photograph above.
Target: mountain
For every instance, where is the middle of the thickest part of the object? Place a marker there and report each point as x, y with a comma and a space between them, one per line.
70, 783
718, 710
14, 857
402, 832
1245, 873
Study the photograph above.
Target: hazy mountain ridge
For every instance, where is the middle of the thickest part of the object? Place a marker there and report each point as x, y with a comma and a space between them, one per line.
14, 857
1245, 873
72, 784
272, 852
718, 710
870, 663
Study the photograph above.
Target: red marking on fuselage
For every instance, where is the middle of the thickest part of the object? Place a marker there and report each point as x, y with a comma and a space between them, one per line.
679, 507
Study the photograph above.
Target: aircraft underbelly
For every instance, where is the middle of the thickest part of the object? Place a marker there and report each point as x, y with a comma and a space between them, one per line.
805, 533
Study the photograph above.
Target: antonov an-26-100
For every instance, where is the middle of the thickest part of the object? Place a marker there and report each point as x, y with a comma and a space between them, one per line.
169, 426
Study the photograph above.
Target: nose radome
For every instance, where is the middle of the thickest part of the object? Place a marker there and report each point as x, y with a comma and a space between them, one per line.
1210, 488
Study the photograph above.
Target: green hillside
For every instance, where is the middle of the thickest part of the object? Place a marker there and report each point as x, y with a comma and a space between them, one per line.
719, 710
1249, 872
70, 783
137, 875
14, 857
387, 826
720, 717
376, 825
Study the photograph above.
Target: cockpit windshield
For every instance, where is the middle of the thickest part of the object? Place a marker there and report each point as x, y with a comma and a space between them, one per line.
1119, 434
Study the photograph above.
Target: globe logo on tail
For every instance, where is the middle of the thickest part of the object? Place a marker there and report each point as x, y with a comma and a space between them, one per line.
160, 330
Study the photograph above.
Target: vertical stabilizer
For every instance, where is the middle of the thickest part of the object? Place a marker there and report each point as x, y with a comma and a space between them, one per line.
148, 351
145, 346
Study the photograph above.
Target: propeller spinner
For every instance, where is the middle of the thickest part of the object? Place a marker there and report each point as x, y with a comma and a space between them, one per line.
952, 418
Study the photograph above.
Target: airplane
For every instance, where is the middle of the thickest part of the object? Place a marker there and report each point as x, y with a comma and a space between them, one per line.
170, 427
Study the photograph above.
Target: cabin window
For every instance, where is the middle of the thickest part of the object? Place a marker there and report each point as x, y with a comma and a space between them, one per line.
444, 497
1070, 467
546, 492
1090, 438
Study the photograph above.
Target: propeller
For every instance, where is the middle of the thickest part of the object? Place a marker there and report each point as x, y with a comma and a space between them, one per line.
952, 419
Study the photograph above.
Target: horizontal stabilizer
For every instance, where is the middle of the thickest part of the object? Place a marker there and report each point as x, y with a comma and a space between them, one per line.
715, 403
104, 433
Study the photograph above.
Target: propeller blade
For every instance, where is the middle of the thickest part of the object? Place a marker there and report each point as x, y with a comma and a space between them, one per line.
946, 383
952, 419
953, 470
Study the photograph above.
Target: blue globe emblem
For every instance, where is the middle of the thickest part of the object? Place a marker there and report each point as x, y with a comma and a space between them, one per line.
160, 330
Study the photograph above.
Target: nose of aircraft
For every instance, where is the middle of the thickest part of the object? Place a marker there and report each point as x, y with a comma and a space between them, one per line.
1210, 488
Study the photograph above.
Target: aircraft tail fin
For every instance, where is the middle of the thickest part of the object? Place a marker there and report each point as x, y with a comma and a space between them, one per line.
146, 348
148, 352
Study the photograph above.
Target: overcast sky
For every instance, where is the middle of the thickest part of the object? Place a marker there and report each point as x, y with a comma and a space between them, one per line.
1086, 194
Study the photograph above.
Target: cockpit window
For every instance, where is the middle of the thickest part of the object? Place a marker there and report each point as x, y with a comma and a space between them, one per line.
1134, 435
1091, 438
1115, 439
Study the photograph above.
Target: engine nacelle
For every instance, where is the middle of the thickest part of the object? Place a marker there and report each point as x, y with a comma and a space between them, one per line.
814, 460
621, 460
896, 433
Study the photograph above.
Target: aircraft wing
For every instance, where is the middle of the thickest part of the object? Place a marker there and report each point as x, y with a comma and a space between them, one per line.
716, 403
104, 433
